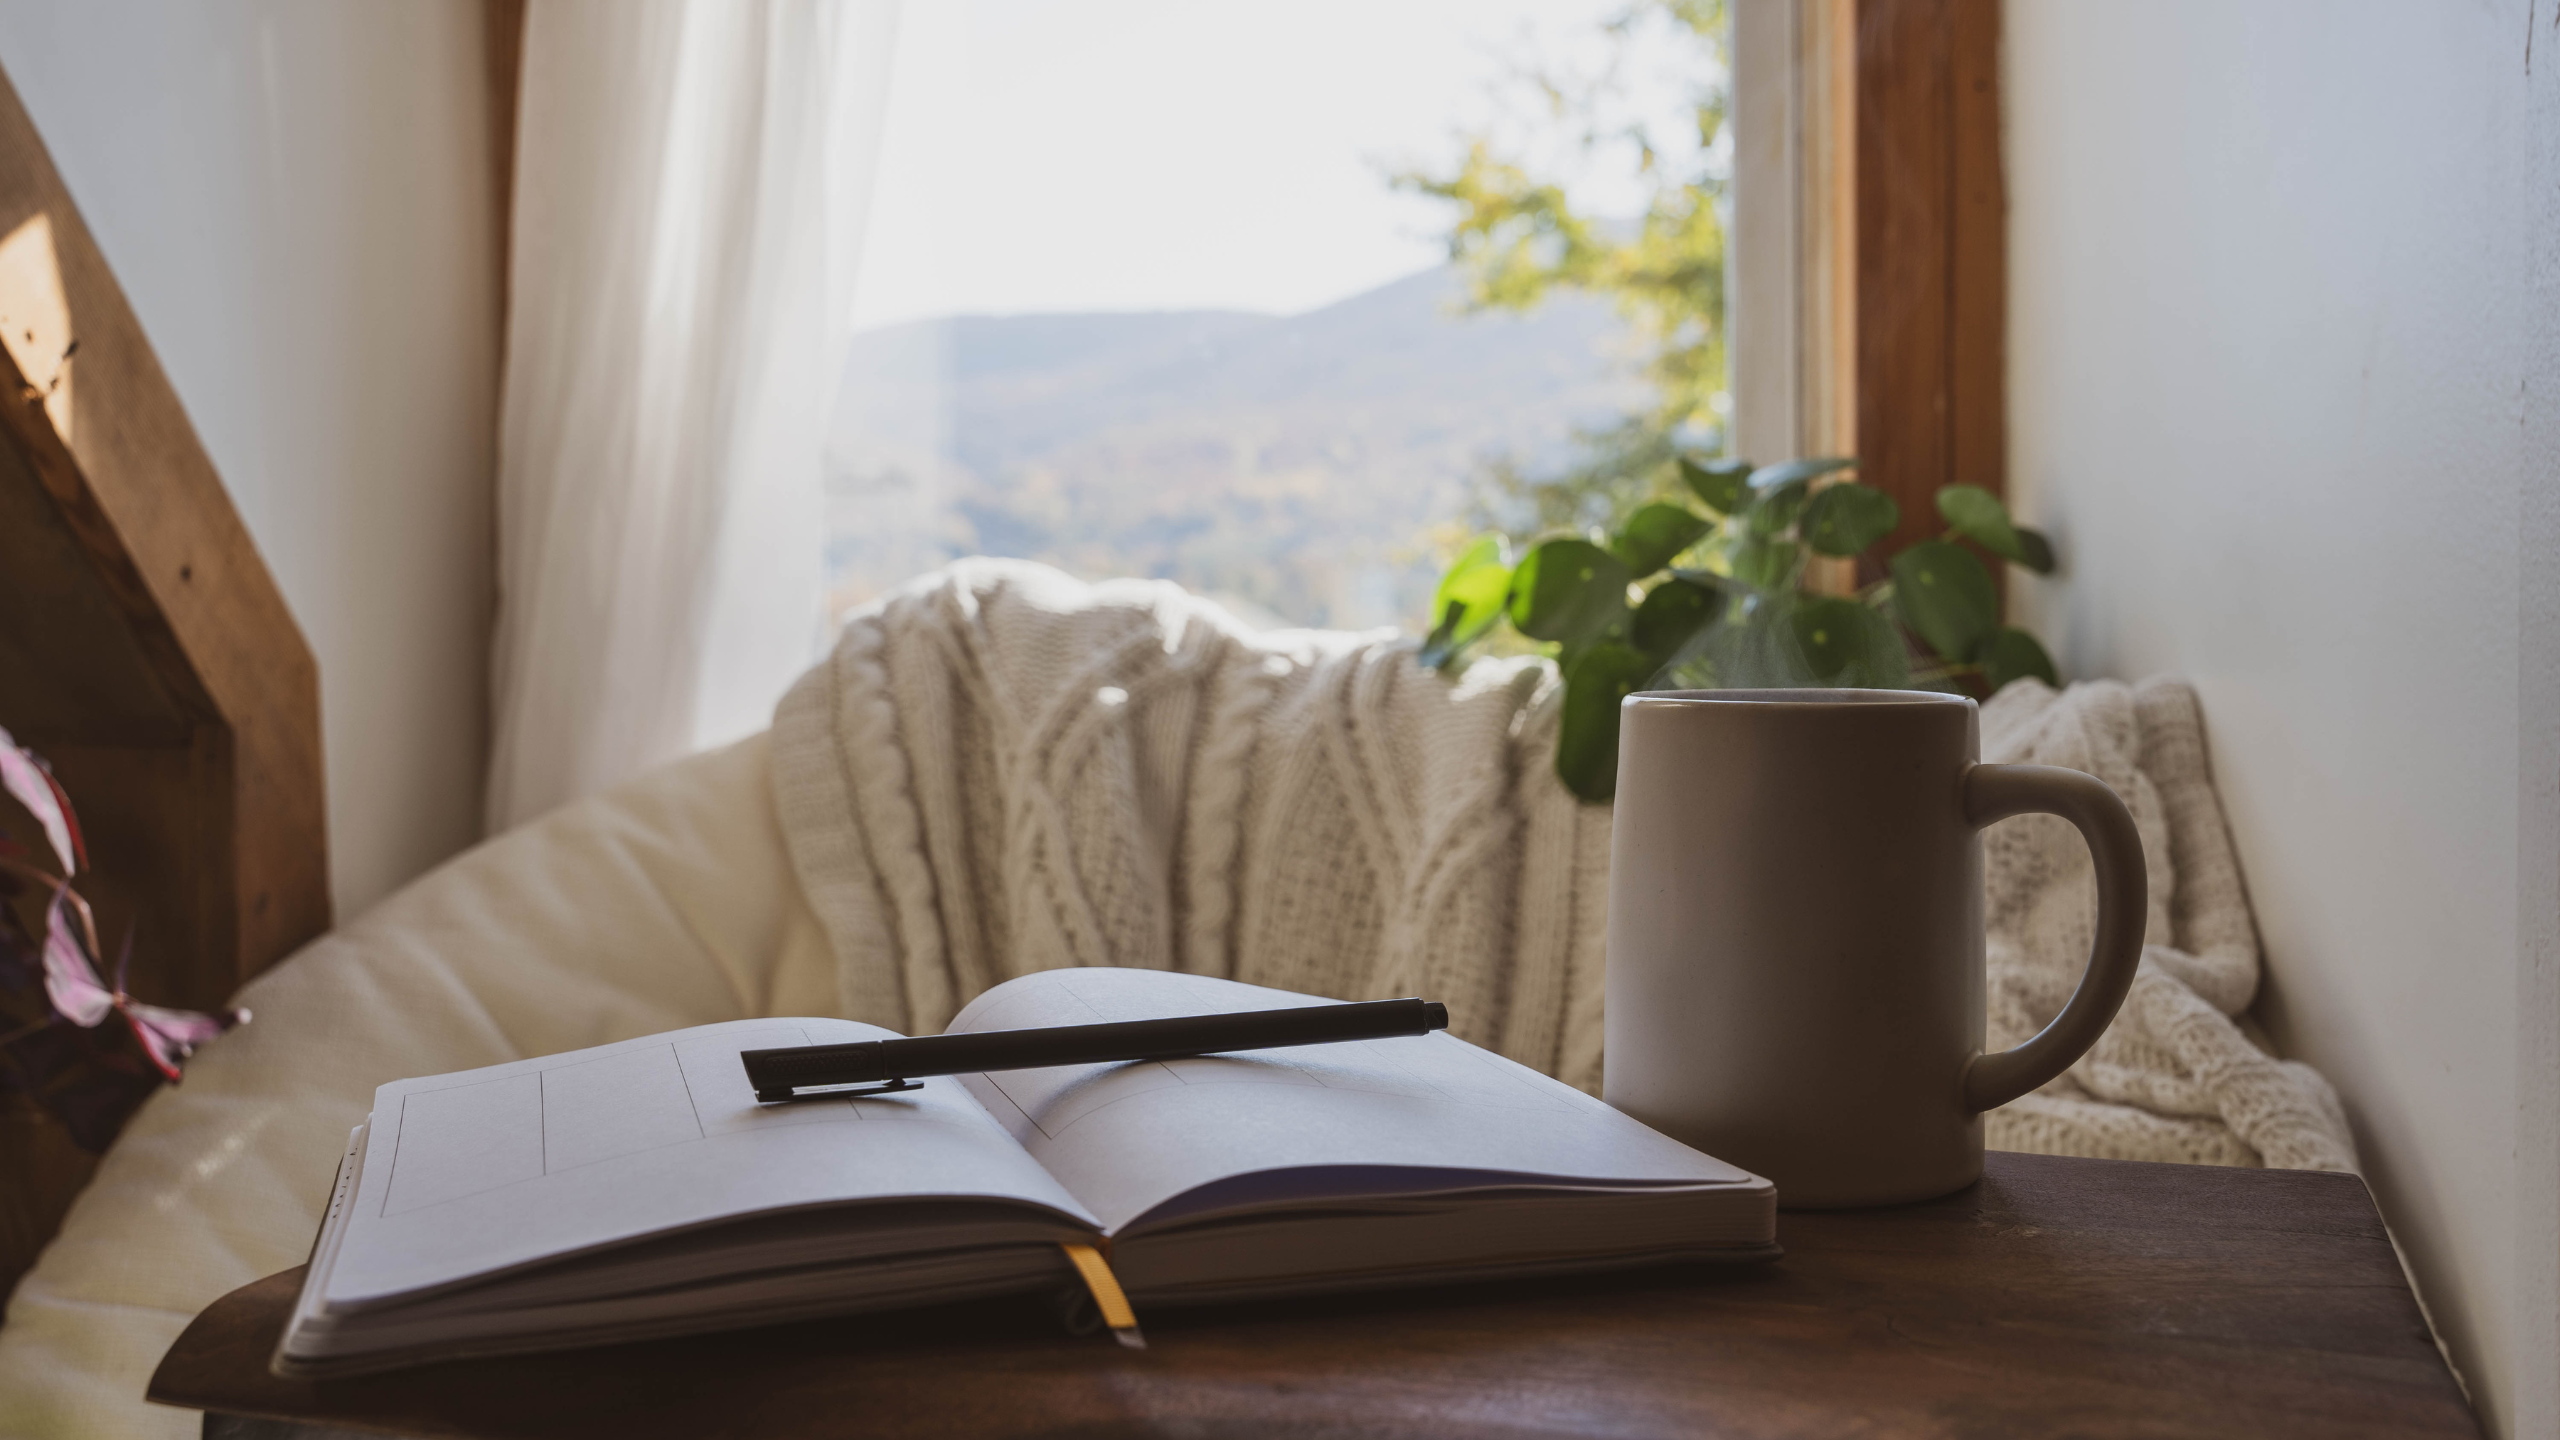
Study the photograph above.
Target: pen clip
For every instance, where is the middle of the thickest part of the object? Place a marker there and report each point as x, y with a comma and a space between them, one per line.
786, 1093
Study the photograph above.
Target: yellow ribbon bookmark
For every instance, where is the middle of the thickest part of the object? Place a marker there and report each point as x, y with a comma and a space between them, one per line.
1106, 1294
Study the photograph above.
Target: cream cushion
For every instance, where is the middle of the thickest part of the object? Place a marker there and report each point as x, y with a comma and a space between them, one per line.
668, 902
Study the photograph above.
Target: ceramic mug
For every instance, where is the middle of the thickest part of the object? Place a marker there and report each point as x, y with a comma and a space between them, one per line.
1795, 974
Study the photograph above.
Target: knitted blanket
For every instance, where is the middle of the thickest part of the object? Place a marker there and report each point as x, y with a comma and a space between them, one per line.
1001, 770
2176, 1077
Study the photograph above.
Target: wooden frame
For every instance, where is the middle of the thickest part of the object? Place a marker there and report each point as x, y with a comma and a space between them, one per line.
1932, 259
144, 650
1790, 258
1869, 261
502, 53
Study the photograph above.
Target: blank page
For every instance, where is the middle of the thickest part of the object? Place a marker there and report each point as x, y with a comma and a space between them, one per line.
480, 1171
1125, 1138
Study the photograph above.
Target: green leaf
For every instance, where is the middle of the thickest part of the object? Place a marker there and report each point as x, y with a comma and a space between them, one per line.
1587, 731
2013, 654
1675, 610
1795, 472
1846, 643
1978, 515
1655, 534
1776, 508
1847, 518
1945, 596
1565, 590
2034, 551
1441, 645
1763, 563
1723, 485
1469, 599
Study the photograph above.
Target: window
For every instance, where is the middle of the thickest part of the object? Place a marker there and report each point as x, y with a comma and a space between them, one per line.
1139, 296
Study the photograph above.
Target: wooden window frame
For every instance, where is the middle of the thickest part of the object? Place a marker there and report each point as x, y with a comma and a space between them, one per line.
146, 652
1868, 264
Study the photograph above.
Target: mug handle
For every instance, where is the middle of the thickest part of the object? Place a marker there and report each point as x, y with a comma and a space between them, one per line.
1996, 792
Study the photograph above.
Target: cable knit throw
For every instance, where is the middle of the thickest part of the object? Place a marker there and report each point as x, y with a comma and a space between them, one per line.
1001, 770
2175, 1078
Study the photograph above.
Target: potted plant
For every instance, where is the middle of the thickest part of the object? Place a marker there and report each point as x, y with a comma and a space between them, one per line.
1683, 597
73, 1043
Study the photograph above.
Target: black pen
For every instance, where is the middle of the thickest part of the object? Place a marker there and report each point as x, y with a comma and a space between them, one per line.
889, 1065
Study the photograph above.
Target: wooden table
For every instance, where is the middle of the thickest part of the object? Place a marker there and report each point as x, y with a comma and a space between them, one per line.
2058, 1297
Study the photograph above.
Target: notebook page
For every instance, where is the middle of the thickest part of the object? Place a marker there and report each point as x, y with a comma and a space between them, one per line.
1125, 1138
483, 1170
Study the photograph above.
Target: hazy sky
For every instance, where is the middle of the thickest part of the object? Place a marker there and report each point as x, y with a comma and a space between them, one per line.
1045, 155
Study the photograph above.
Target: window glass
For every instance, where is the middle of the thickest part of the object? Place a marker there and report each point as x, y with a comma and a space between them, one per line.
1168, 290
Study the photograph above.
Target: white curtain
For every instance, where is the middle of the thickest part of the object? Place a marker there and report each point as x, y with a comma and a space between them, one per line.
690, 182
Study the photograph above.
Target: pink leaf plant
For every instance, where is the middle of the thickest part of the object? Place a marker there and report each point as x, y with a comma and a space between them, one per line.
65, 1055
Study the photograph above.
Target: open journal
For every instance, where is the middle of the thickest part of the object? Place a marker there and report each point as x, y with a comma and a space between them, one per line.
638, 1189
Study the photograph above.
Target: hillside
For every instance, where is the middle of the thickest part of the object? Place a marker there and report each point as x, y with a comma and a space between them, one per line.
1291, 465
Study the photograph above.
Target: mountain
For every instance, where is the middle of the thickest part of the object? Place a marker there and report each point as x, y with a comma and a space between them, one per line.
1294, 466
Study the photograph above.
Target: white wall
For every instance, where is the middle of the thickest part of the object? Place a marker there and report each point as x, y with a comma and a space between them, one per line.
296, 196
2274, 351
